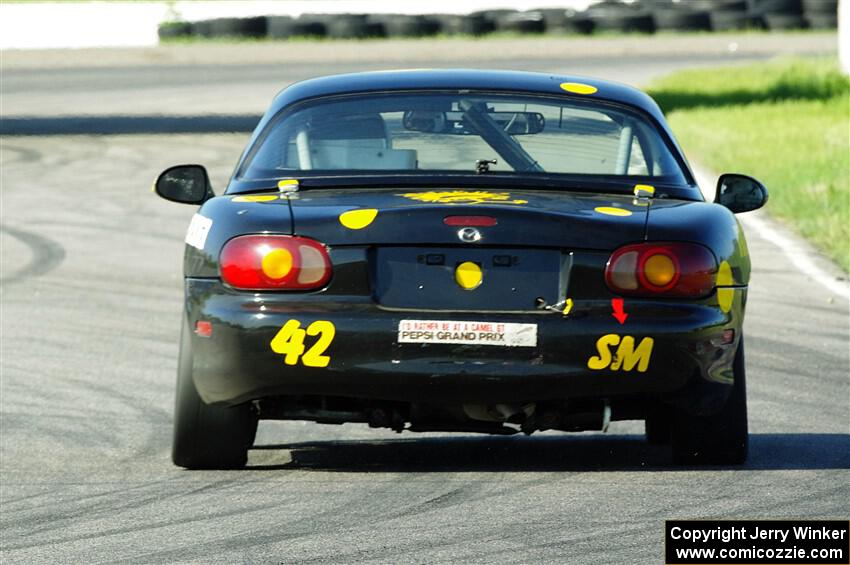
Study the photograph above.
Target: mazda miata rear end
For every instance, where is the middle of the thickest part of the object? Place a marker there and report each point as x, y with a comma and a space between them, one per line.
469, 251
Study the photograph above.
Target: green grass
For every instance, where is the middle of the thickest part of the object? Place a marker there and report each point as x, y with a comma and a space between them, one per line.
788, 124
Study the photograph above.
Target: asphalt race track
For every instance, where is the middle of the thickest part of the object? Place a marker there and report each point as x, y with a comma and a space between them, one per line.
91, 298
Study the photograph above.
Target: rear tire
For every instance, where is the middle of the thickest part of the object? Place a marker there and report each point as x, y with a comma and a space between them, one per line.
720, 438
205, 436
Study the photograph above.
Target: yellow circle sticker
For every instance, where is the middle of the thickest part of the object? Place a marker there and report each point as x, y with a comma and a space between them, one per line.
468, 275
611, 211
578, 88
358, 219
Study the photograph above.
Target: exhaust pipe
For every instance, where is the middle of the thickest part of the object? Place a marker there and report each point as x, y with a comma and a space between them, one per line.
571, 416
606, 416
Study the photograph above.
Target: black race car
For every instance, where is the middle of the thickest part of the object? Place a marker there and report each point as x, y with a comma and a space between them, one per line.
459, 250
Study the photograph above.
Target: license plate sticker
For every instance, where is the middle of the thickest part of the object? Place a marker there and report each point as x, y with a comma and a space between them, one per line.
467, 333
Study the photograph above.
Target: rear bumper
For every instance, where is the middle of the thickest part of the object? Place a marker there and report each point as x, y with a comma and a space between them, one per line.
236, 362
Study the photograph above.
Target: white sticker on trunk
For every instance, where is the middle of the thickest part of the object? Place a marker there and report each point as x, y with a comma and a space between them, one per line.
467, 333
199, 227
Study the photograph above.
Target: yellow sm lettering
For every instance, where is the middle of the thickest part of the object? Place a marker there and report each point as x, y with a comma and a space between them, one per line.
627, 356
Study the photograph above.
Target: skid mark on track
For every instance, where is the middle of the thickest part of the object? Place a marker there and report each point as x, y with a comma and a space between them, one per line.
444, 500
47, 254
471, 491
153, 496
148, 412
20, 155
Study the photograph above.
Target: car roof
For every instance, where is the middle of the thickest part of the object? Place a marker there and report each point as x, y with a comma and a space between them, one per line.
473, 79
453, 79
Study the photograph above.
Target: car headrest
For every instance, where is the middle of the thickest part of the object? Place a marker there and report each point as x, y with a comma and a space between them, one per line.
359, 126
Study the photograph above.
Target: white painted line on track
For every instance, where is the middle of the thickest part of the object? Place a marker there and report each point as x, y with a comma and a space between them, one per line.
798, 253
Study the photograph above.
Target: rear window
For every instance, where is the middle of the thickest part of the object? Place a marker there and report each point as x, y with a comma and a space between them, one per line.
460, 132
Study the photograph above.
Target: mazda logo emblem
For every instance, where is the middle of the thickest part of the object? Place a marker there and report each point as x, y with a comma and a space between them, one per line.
469, 235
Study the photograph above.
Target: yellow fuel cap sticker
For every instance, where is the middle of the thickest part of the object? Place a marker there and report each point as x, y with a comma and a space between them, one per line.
468, 275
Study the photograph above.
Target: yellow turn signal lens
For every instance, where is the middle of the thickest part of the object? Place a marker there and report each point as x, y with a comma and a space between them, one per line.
468, 275
659, 270
277, 264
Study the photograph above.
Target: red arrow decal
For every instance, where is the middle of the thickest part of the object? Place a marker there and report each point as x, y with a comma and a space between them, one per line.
617, 305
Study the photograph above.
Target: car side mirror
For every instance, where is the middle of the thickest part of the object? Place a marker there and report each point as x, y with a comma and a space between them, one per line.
187, 184
740, 193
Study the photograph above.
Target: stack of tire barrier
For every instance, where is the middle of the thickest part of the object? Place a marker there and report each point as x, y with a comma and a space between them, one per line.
224, 27
606, 16
730, 15
821, 14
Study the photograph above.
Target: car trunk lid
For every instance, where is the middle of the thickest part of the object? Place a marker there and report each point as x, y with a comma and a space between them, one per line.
545, 219
418, 261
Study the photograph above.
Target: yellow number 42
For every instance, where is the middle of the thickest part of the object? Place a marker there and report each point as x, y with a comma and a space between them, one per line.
289, 342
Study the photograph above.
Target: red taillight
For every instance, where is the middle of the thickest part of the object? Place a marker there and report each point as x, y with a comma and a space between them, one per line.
274, 262
473, 221
662, 269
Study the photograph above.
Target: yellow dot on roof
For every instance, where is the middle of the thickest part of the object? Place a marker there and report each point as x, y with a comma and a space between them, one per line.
611, 211
358, 219
578, 88
288, 183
